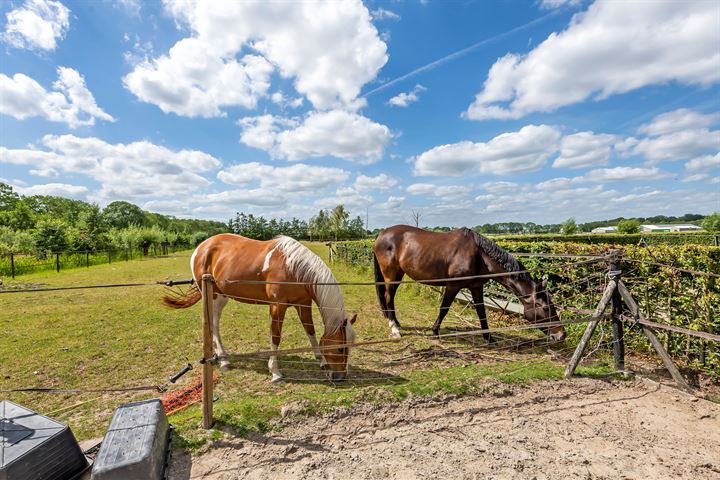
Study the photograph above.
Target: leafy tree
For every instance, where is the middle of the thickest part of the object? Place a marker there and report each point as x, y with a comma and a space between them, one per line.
711, 223
628, 226
569, 227
122, 214
8, 197
356, 228
319, 225
50, 236
21, 217
339, 220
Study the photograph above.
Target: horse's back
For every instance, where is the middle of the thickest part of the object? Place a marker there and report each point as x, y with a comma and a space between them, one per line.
230, 256
426, 255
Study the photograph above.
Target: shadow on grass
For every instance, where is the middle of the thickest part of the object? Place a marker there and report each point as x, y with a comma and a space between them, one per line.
300, 370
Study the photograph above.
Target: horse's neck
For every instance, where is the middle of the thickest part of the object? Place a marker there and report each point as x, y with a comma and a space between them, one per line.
521, 288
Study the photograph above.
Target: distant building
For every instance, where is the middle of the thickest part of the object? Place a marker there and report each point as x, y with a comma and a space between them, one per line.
604, 230
670, 228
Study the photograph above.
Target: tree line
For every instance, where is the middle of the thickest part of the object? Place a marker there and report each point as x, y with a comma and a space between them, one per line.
40, 224
331, 224
570, 226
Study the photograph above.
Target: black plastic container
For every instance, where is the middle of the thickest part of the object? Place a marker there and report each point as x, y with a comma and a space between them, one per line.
33, 446
136, 445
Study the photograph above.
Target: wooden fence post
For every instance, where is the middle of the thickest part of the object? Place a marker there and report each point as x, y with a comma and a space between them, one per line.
57, 262
575, 359
636, 313
617, 324
207, 369
12, 264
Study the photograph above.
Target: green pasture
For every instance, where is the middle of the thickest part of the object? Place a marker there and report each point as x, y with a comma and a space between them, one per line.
122, 337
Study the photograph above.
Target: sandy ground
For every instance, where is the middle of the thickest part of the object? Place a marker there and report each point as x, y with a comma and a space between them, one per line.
589, 429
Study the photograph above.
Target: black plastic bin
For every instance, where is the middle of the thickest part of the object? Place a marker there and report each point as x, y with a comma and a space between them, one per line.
33, 446
136, 445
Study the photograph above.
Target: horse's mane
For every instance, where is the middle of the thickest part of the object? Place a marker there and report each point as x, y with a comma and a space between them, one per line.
506, 260
305, 266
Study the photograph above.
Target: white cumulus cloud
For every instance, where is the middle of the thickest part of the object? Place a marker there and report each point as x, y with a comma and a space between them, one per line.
295, 178
124, 171
69, 102
37, 24
55, 189
526, 150
364, 183
330, 49
406, 98
612, 48
336, 133
585, 149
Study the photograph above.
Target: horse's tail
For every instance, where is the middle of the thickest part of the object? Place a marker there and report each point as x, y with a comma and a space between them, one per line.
183, 301
380, 287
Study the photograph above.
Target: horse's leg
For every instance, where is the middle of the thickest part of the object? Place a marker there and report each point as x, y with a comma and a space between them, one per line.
479, 302
305, 314
218, 304
449, 295
390, 290
277, 315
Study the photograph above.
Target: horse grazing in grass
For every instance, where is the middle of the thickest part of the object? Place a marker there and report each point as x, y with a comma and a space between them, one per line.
425, 256
230, 258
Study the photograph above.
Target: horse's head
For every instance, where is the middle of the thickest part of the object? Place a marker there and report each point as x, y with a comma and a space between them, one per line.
540, 309
335, 348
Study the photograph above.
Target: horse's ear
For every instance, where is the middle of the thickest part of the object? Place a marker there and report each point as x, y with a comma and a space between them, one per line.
353, 319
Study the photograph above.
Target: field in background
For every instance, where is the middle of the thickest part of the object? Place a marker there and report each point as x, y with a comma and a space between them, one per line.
123, 337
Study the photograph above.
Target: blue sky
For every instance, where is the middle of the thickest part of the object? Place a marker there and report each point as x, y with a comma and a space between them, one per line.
468, 112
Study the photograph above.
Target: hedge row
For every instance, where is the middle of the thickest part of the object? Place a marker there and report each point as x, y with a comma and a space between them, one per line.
665, 294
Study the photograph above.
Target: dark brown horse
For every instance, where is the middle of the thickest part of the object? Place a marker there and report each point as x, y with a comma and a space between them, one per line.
426, 256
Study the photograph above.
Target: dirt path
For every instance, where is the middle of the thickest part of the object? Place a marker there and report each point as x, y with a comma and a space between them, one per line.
586, 429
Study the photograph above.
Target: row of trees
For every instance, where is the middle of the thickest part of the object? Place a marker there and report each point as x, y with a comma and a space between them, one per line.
710, 223
42, 223
327, 224
570, 226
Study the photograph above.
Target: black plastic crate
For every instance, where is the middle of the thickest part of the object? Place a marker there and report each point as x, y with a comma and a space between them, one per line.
136, 445
36, 447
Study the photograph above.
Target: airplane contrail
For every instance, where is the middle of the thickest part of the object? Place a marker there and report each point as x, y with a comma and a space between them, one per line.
460, 53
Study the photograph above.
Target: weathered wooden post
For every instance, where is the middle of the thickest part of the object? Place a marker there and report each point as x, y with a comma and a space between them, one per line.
575, 359
650, 334
207, 287
57, 262
12, 264
617, 324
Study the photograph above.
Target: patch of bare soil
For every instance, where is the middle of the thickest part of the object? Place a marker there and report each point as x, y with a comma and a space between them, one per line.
588, 429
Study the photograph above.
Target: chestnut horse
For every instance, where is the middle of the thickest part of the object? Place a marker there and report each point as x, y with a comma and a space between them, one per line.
425, 256
239, 265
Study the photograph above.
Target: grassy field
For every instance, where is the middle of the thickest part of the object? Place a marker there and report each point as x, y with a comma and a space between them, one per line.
120, 337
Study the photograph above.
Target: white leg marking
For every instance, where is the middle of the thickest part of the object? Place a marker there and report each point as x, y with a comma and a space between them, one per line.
394, 331
273, 364
218, 305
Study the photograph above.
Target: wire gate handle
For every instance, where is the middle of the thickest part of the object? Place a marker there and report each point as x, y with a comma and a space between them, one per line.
182, 372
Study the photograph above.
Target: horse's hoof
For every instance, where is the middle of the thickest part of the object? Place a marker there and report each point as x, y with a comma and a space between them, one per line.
276, 378
395, 333
224, 366
436, 333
